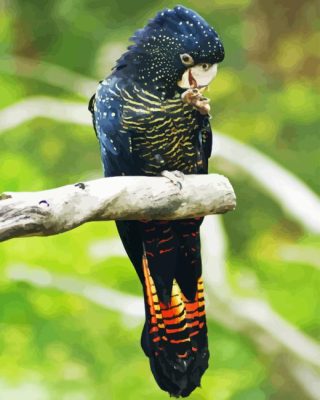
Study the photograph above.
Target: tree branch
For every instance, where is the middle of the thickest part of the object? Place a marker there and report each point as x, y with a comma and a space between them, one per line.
295, 353
283, 186
127, 304
51, 74
129, 197
252, 316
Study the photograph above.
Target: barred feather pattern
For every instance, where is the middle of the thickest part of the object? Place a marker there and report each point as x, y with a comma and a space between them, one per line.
166, 128
177, 335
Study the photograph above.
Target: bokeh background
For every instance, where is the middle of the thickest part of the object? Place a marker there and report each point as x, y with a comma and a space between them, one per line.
62, 334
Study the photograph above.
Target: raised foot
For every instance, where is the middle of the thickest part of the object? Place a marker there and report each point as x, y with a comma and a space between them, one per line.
176, 177
195, 98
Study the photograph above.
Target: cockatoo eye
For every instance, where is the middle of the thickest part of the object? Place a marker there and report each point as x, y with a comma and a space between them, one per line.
186, 59
205, 66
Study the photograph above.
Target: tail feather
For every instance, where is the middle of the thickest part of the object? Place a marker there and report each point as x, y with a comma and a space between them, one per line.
175, 337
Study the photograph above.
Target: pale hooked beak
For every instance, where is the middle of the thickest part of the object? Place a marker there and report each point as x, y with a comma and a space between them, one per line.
197, 76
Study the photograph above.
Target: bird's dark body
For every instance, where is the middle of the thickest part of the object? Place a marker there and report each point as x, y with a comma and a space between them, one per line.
158, 133
144, 128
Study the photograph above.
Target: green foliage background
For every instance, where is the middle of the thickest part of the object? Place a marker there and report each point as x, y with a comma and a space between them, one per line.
58, 346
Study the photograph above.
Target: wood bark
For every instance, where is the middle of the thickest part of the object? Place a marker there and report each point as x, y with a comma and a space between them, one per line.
64, 208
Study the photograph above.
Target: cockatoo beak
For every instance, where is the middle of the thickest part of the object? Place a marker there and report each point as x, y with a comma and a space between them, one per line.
198, 77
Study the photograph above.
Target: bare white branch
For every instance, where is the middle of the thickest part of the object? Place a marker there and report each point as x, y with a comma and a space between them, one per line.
105, 297
273, 335
250, 315
49, 73
298, 353
127, 197
287, 189
46, 107
214, 246
307, 377
105, 248
308, 255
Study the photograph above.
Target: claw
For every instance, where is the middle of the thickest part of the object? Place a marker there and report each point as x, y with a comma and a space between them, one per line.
176, 177
195, 98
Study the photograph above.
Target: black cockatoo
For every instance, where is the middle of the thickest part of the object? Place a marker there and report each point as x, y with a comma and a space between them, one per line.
150, 116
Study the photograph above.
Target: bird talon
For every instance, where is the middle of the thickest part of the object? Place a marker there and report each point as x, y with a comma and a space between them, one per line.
178, 174
195, 98
176, 177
